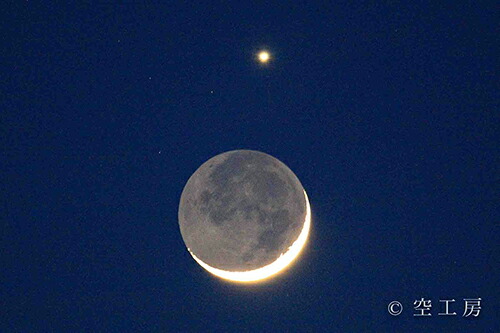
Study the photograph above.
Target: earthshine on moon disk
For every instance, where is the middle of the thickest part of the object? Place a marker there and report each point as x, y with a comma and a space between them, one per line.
244, 216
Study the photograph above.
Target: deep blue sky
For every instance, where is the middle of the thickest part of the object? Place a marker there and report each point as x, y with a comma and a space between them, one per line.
387, 112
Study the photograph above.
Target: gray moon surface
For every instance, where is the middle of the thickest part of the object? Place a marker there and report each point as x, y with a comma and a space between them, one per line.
241, 210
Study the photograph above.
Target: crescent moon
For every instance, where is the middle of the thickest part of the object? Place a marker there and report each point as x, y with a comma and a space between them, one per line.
244, 216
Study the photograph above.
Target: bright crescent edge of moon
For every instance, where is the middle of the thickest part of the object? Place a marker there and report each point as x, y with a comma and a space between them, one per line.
273, 268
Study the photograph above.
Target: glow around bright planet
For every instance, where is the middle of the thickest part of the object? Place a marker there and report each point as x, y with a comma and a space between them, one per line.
244, 216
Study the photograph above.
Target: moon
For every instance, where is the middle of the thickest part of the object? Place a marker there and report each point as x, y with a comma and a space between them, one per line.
244, 216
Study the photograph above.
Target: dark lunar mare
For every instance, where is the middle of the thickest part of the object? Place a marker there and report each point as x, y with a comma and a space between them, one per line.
241, 210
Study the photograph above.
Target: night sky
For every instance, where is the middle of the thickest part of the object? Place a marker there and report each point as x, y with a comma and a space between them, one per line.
387, 112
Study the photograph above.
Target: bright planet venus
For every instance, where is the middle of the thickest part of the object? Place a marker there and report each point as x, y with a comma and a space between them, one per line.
244, 216
264, 57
